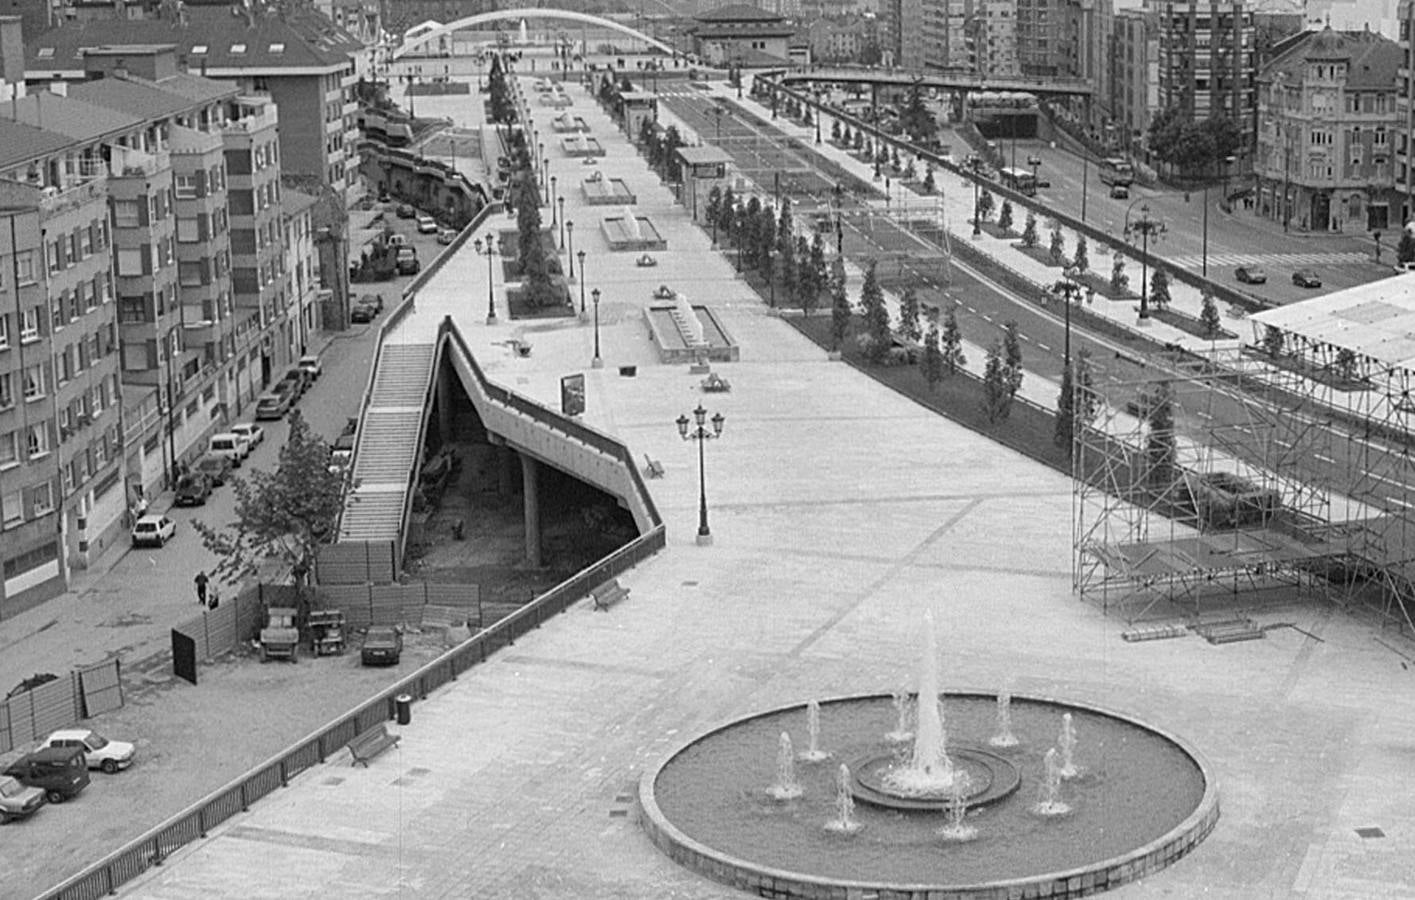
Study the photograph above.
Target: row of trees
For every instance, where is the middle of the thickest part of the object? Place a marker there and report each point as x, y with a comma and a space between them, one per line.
503, 108
661, 151
767, 242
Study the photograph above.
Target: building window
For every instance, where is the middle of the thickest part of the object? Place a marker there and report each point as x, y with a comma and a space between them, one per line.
9, 450
33, 382
4, 331
37, 443
41, 498
130, 262
186, 187
127, 213
13, 509
188, 232
29, 327
238, 49
7, 390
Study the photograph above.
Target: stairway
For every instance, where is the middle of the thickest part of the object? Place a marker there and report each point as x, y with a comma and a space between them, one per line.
388, 443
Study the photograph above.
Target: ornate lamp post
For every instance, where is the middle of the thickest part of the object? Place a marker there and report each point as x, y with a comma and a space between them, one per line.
490, 251
1145, 227
977, 226
582, 283
560, 201
596, 363
554, 195
818, 118
696, 430
1070, 292
1036, 163
570, 246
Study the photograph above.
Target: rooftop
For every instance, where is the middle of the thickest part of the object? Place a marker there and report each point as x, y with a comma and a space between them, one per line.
739, 12
72, 117
1375, 320
20, 143
1372, 60
148, 99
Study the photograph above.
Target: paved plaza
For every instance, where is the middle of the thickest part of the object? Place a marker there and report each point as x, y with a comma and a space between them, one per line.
840, 512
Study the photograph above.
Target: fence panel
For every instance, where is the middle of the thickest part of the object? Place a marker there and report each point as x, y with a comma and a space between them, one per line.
355, 562
102, 688
6, 742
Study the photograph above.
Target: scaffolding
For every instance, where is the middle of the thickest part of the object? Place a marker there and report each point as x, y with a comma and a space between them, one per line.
1240, 477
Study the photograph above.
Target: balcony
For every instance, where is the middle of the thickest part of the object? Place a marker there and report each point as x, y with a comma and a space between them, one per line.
190, 142
129, 163
53, 200
254, 113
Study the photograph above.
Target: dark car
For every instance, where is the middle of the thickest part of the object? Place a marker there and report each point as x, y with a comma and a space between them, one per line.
61, 772
1250, 275
383, 645
298, 381
362, 312
193, 489
272, 406
373, 300
215, 468
405, 211
1306, 278
18, 801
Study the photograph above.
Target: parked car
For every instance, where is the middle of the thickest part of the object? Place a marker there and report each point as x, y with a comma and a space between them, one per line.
341, 451
298, 379
1118, 192
446, 235
61, 772
427, 225
216, 468
309, 364
1306, 278
17, 800
193, 489
407, 261
250, 431
99, 751
383, 645
153, 531
394, 239
361, 313
405, 211
373, 300
272, 406
230, 446
1250, 275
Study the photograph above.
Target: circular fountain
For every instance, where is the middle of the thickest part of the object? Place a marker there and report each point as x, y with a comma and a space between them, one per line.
1074, 800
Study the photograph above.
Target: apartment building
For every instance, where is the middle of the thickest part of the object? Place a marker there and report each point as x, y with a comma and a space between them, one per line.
62, 496
1133, 77
1327, 130
1405, 107
301, 267
1207, 59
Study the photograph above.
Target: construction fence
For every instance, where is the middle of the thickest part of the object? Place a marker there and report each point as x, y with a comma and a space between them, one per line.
83, 693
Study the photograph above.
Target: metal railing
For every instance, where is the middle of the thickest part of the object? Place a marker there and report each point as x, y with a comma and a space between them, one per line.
196, 821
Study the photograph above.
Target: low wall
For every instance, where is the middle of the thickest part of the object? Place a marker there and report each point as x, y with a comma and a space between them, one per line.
669, 343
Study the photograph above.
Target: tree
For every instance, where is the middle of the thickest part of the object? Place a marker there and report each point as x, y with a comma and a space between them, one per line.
1004, 217
714, 205
859, 141
910, 170
835, 131
997, 394
929, 185
839, 303
786, 263
1082, 259
985, 205
820, 278
807, 287
846, 135
1345, 364
527, 218
1119, 281
876, 316
1159, 290
503, 110
1012, 354
1064, 431
1193, 146
750, 225
1160, 444
1057, 250
1077, 404
726, 211
1029, 230
909, 314
672, 140
916, 120
953, 358
1405, 250
894, 158
765, 235
931, 362
288, 513
1208, 316
1273, 341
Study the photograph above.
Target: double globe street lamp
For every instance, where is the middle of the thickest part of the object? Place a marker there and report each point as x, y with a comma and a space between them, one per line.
697, 430
490, 251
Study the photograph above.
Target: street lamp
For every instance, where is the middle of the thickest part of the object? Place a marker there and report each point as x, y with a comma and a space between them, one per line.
490, 251
545, 176
977, 226
582, 285
696, 430
596, 363
1036, 163
1145, 227
818, 118
554, 199
1070, 292
570, 245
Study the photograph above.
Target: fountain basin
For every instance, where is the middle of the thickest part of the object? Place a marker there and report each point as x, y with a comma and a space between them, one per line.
990, 779
631, 233
581, 145
1147, 799
603, 191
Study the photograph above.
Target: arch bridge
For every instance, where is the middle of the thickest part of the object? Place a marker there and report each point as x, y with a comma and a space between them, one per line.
501, 15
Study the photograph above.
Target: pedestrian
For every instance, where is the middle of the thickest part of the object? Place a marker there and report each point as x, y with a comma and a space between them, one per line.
201, 581
215, 598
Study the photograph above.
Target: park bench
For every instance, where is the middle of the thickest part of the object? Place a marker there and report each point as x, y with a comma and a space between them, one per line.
652, 467
608, 594
371, 743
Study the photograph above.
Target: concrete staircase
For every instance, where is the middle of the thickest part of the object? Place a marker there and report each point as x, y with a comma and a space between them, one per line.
388, 443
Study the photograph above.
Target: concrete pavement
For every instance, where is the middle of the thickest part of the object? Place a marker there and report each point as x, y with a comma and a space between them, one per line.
840, 513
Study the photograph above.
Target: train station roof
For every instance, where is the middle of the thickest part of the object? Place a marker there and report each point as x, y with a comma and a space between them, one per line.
1375, 320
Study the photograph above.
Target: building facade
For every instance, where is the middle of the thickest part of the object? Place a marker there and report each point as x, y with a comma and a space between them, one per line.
1133, 60
1207, 63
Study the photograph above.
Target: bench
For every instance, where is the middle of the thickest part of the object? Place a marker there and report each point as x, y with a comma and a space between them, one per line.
371, 743
652, 467
608, 594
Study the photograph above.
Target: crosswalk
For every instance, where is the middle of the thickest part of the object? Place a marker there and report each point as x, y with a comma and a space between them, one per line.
1275, 260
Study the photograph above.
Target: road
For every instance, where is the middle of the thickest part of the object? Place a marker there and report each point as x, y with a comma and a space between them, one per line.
1300, 445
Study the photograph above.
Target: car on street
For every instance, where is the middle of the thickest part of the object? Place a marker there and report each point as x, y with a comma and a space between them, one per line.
309, 364
341, 452
230, 446
427, 225
373, 300
296, 381
193, 489
153, 531
1306, 278
404, 211
1250, 275
1118, 192
361, 313
272, 406
61, 772
215, 468
446, 235
18, 801
395, 240
99, 751
383, 645
250, 431
407, 262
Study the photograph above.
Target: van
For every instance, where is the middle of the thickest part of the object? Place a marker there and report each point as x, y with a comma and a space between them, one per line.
61, 772
229, 446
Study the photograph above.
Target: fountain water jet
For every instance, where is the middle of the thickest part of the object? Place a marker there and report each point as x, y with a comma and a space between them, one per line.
1067, 743
901, 734
786, 786
813, 753
929, 770
957, 830
1047, 803
1004, 736
844, 821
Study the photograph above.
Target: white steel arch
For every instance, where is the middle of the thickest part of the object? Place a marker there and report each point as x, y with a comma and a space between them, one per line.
584, 18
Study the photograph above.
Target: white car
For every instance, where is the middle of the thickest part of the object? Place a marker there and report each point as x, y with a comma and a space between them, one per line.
99, 752
230, 446
310, 366
427, 225
250, 431
153, 531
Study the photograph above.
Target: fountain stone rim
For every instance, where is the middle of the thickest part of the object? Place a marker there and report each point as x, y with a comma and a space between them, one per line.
1003, 780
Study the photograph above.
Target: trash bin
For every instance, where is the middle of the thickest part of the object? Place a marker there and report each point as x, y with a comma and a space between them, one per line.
403, 704
628, 371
